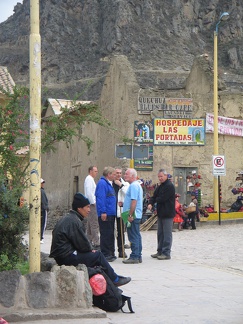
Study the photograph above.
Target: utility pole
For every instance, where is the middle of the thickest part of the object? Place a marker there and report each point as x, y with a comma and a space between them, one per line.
35, 137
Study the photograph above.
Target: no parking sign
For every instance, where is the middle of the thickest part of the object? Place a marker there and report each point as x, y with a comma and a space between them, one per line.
219, 165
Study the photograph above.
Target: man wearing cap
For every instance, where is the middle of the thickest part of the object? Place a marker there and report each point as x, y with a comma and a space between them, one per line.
44, 210
70, 245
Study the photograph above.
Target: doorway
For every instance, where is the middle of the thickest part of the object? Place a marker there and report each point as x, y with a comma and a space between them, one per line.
181, 184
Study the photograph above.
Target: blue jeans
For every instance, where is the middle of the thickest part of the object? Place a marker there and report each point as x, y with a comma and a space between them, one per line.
164, 235
135, 239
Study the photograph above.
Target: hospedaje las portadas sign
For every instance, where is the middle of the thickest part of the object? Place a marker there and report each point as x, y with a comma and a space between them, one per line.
172, 131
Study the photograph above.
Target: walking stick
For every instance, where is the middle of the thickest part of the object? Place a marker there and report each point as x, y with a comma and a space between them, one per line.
121, 225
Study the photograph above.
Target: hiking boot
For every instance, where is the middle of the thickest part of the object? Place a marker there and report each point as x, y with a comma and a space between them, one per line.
155, 255
121, 255
130, 261
163, 257
122, 281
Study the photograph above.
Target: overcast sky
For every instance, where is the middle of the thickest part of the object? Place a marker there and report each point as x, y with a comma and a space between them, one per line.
6, 8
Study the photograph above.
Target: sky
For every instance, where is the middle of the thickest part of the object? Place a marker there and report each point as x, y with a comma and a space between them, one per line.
6, 8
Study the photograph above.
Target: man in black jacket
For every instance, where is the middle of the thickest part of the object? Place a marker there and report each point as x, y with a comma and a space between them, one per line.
164, 196
70, 245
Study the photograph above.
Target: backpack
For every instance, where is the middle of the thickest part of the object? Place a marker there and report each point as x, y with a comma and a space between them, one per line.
113, 299
236, 205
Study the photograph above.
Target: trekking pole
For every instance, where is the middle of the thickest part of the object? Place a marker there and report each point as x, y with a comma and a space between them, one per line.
121, 225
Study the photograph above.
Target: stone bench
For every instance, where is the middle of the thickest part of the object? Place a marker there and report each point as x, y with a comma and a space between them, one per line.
62, 292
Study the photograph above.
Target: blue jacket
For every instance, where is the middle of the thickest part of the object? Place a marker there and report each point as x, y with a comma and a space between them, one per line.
105, 198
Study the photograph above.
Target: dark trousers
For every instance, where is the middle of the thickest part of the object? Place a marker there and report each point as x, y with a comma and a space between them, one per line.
43, 222
90, 259
120, 233
107, 237
164, 235
192, 217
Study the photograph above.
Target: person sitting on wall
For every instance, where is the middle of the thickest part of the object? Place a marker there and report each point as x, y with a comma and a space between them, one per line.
70, 245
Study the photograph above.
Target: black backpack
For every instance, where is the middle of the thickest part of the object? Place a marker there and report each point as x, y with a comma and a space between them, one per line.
113, 299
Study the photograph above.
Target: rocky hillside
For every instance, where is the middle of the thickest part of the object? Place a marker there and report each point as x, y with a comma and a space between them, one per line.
78, 36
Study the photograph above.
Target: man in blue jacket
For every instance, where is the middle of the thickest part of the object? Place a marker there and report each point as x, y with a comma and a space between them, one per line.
164, 196
106, 211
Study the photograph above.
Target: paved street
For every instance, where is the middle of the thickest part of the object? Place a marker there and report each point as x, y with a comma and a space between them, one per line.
202, 283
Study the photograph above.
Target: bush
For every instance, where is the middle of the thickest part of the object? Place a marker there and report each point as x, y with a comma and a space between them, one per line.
13, 224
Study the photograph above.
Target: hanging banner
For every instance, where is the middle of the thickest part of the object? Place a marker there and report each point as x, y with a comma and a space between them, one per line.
179, 131
226, 126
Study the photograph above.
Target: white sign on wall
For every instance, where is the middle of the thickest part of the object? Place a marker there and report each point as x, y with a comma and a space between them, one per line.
219, 165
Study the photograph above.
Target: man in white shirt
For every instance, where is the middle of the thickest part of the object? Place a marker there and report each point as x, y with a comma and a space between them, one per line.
92, 220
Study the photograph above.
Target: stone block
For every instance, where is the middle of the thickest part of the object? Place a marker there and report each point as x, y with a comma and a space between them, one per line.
39, 289
9, 283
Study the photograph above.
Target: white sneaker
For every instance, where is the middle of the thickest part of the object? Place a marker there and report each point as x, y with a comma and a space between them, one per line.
42, 241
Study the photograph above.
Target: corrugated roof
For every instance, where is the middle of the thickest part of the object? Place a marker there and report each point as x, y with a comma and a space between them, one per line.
23, 150
58, 104
6, 81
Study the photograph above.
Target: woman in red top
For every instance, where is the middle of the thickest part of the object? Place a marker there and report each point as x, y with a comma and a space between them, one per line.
179, 212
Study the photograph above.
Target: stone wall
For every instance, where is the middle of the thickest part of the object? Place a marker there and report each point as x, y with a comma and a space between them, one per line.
62, 288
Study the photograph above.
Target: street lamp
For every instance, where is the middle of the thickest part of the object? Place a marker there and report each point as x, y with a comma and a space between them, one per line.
224, 16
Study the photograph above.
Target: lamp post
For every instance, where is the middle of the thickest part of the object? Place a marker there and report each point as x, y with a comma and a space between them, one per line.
224, 16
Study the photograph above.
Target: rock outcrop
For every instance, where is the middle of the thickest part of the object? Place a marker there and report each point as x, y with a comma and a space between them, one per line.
78, 37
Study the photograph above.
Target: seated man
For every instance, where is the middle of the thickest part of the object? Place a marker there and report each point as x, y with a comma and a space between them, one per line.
70, 245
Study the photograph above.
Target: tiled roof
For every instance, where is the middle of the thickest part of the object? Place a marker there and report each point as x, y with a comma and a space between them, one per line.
6, 81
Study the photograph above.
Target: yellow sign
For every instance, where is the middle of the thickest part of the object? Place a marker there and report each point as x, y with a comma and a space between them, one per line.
179, 131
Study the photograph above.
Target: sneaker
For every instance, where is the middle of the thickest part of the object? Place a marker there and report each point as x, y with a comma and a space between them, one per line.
121, 255
42, 241
155, 255
130, 261
163, 257
110, 258
122, 281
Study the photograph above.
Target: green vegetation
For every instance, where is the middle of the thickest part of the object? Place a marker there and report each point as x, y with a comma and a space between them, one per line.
14, 135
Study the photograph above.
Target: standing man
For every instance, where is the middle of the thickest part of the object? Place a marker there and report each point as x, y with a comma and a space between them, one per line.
92, 220
106, 210
164, 196
134, 204
44, 210
120, 187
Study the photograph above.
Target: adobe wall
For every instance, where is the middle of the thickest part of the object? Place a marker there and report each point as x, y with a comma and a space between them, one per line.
119, 103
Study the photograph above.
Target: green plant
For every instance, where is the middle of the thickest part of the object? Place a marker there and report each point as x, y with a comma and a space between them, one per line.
14, 135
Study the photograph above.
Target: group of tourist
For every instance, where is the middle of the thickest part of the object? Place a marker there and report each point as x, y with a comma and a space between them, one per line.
102, 206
